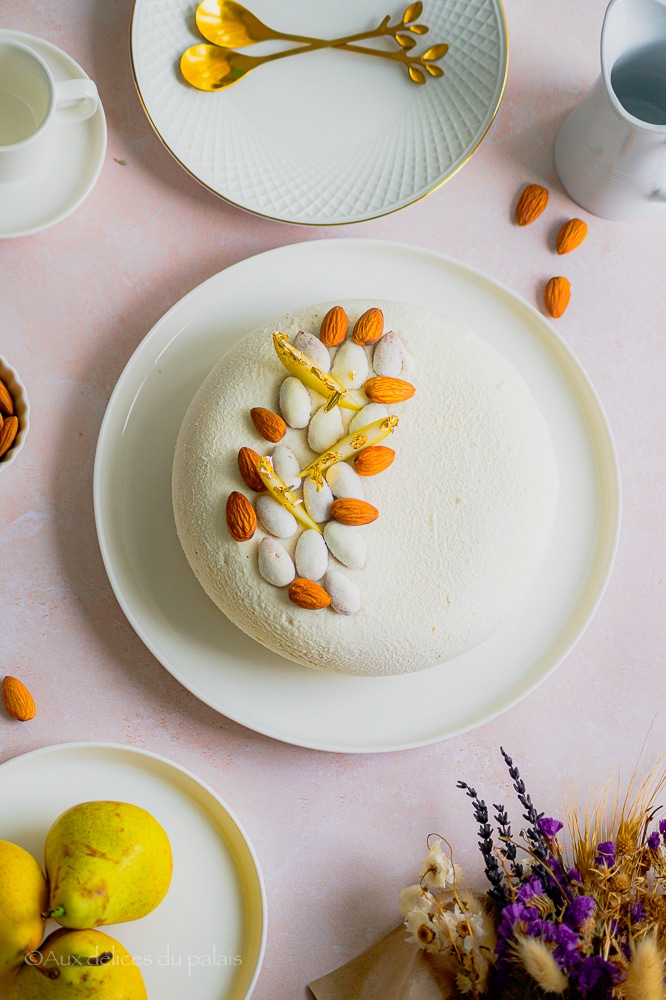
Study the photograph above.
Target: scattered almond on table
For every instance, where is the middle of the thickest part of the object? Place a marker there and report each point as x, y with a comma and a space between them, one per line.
556, 296
571, 235
17, 699
531, 204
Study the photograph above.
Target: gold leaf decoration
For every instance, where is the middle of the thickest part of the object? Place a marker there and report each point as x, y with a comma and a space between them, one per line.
419, 29
434, 70
406, 41
417, 74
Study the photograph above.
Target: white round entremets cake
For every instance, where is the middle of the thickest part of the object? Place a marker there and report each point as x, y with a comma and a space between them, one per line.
466, 509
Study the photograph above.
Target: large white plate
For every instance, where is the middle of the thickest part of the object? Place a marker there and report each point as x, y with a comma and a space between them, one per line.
65, 179
325, 137
215, 909
234, 674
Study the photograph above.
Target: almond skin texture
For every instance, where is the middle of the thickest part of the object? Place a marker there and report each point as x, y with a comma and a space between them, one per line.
571, 235
369, 327
308, 594
556, 296
270, 425
334, 327
384, 389
247, 466
241, 518
8, 432
350, 511
18, 701
6, 401
531, 204
373, 460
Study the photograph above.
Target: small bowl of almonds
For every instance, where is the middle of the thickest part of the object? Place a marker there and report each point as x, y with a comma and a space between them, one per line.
14, 414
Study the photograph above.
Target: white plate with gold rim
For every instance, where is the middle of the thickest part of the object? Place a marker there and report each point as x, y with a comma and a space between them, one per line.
207, 938
225, 668
325, 137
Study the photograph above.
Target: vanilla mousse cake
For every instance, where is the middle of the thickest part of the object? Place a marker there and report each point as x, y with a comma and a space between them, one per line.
372, 498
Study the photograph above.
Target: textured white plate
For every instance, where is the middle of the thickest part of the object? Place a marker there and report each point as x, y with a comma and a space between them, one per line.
61, 183
234, 674
214, 911
325, 137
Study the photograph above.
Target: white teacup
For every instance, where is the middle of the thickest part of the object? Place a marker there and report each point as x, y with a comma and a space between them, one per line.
32, 105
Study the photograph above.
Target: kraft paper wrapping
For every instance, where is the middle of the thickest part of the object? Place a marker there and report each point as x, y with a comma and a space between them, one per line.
391, 970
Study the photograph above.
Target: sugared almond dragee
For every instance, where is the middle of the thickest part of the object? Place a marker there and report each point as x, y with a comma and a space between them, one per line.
325, 429
311, 555
295, 402
348, 510
308, 594
346, 544
345, 595
317, 499
286, 465
277, 520
350, 367
387, 355
369, 327
334, 327
270, 425
313, 347
241, 518
373, 460
368, 415
344, 481
388, 390
275, 563
247, 466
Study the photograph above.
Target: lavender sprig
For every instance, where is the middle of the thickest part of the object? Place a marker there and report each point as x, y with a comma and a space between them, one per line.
533, 834
493, 871
509, 850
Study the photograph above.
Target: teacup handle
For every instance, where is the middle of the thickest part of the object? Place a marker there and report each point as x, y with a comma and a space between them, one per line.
75, 100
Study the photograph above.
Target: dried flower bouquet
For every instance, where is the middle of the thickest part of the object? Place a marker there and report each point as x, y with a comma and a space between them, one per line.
587, 923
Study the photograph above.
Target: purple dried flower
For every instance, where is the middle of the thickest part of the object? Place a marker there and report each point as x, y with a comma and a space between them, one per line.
653, 841
594, 973
605, 854
564, 938
637, 913
575, 876
533, 887
662, 828
549, 827
579, 909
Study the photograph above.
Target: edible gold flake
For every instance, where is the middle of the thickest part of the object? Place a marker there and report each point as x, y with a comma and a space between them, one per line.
350, 445
284, 496
303, 368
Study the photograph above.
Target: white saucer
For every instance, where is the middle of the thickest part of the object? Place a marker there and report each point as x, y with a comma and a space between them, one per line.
58, 186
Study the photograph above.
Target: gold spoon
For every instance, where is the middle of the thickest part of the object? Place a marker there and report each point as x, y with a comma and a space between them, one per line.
210, 67
229, 24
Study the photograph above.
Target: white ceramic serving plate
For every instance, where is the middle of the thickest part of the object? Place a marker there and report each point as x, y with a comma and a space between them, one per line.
234, 674
57, 187
215, 910
326, 137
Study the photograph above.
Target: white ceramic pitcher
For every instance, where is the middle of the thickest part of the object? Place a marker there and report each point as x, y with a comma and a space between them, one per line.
610, 153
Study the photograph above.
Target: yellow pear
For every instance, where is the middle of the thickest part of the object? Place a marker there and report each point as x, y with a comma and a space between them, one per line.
79, 964
106, 862
23, 899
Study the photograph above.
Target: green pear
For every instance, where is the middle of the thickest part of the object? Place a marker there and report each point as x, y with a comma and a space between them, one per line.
23, 899
79, 964
106, 862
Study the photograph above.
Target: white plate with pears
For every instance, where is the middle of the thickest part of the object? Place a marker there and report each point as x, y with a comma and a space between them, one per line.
327, 136
206, 938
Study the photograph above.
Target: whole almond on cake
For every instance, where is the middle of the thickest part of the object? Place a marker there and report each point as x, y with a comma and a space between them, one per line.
348, 510
270, 425
308, 594
17, 699
334, 327
373, 460
241, 518
369, 327
531, 204
247, 466
384, 389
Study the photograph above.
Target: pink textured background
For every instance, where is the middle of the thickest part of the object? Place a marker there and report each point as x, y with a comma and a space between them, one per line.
337, 836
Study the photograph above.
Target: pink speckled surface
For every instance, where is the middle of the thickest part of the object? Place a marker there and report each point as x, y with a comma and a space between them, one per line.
336, 836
